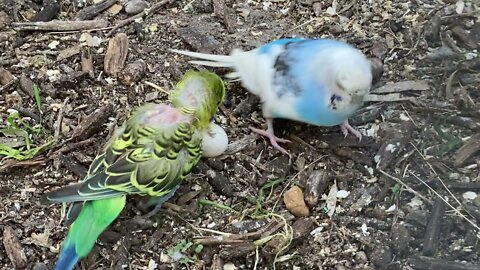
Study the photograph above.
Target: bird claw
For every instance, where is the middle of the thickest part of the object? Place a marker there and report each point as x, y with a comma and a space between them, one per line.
347, 128
274, 140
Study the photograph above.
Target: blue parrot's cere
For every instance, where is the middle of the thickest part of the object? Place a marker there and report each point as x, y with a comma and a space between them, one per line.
316, 81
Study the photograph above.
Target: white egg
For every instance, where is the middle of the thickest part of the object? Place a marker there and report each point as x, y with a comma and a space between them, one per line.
215, 141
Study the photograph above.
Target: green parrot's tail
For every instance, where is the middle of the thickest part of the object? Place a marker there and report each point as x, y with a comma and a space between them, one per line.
92, 220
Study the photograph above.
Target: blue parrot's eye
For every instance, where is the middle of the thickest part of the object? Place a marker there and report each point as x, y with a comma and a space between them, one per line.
334, 98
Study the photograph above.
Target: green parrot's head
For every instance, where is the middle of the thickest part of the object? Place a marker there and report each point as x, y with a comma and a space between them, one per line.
199, 93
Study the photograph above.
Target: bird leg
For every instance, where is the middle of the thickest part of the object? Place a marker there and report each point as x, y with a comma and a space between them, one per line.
269, 133
346, 128
158, 202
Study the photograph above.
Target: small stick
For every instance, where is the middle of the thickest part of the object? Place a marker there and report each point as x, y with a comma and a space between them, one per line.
138, 16
69, 147
58, 123
57, 25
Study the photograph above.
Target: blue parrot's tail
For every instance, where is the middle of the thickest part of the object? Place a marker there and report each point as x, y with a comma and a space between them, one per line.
67, 259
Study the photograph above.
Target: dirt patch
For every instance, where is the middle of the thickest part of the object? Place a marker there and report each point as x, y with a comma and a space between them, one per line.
373, 204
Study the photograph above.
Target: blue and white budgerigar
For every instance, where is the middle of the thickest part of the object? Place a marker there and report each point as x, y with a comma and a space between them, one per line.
315, 81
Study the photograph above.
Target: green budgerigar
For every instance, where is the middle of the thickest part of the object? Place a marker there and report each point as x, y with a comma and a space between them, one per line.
150, 154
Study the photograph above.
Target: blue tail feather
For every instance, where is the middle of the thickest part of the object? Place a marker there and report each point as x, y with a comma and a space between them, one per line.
67, 259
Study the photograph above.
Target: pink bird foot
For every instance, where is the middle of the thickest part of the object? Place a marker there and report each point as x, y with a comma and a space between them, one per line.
346, 128
274, 140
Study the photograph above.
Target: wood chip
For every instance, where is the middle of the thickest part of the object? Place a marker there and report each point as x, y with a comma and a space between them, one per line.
87, 62
47, 13
469, 149
116, 54
316, 185
68, 52
92, 11
198, 39
402, 86
92, 123
13, 248
433, 230
221, 10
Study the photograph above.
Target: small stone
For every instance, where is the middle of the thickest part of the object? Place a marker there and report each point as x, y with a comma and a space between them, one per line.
294, 202
361, 257
40, 266
5, 76
317, 8
335, 29
135, 6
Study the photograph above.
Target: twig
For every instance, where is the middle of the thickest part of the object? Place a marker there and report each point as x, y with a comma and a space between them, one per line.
146, 12
298, 26
409, 189
156, 87
444, 200
57, 25
10, 163
438, 176
58, 123
69, 147
28, 113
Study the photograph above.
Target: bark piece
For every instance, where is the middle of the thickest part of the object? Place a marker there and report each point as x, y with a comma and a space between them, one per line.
221, 10
87, 62
92, 123
316, 185
220, 183
469, 149
93, 10
48, 13
198, 40
13, 248
432, 232
237, 251
116, 54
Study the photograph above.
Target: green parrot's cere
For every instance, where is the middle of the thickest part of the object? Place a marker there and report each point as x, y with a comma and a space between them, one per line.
151, 154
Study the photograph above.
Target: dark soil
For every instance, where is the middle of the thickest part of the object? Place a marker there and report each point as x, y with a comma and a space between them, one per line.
413, 178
